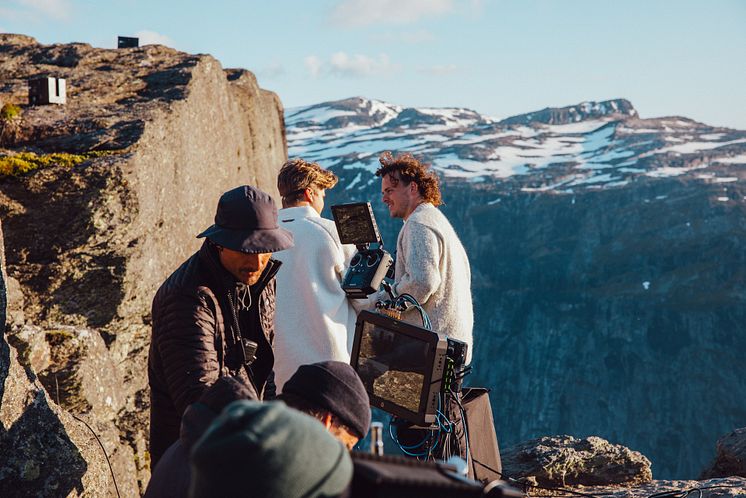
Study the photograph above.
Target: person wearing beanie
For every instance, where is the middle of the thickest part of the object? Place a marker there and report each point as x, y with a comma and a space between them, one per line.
268, 450
172, 474
332, 392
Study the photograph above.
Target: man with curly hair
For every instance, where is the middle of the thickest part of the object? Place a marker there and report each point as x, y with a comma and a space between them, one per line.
431, 263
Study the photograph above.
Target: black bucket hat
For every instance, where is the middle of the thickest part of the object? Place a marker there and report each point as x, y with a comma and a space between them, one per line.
246, 221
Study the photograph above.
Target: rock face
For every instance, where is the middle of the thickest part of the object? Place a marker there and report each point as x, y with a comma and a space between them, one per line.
45, 451
731, 456
733, 487
566, 461
607, 261
3, 285
163, 134
186, 131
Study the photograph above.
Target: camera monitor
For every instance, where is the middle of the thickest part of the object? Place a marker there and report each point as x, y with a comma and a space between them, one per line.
356, 223
401, 366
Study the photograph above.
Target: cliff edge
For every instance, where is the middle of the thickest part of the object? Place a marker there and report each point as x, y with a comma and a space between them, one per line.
101, 198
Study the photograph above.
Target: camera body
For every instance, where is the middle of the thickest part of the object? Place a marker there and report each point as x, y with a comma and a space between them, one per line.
367, 270
357, 225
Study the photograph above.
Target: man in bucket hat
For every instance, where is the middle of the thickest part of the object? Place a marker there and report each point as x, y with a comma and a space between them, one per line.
214, 316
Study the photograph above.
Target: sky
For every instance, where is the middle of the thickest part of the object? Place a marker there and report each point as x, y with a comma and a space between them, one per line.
497, 57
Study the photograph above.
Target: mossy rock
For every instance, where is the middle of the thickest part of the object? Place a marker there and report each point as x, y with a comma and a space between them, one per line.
25, 162
9, 112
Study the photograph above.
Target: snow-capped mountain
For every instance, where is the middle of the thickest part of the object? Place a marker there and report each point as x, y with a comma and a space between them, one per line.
591, 145
607, 256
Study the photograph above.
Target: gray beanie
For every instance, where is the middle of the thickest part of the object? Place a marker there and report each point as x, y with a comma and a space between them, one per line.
268, 450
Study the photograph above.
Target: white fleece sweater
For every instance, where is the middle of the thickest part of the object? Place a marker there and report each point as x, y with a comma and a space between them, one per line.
314, 321
432, 266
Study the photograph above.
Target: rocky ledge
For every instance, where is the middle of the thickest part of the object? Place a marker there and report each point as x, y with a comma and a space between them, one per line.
100, 199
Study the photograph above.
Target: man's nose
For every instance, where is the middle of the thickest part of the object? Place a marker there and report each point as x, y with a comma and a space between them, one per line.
257, 261
253, 261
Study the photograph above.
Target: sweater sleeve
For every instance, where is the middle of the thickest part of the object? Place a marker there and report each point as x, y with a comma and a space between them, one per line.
187, 348
423, 249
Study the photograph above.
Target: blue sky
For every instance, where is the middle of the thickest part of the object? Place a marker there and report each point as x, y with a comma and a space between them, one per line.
497, 57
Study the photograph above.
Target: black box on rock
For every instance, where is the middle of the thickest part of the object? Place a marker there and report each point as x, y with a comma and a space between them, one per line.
46, 90
127, 42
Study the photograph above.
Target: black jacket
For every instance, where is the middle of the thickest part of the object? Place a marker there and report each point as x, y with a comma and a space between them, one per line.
199, 334
172, 474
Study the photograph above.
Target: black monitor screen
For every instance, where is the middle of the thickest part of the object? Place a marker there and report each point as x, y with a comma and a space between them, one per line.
355, 223
393, 366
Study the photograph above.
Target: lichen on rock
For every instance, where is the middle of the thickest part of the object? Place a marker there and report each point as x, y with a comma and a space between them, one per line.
566, 461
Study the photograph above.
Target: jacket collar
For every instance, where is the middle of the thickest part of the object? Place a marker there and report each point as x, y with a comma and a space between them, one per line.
297, 212
420, 208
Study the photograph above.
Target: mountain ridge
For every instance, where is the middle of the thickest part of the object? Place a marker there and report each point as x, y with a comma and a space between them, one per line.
597, 145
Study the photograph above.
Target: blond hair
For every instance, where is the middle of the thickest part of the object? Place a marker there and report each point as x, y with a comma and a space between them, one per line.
297, 175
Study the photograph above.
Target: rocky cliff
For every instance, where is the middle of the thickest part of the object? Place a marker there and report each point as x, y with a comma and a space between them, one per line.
102, 197
45, 450
607, 260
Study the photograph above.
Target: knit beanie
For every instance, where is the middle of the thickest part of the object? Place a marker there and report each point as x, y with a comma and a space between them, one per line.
268, 450
335, 387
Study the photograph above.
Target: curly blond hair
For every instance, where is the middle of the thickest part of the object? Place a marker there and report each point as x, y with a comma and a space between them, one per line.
297, 175
411, 170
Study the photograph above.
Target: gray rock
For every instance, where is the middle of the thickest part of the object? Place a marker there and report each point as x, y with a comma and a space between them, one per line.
81, 376
45, 451
184, 131
32, 346
3, 280
733, 487
89, 244
567, 461
14, 312
731, 456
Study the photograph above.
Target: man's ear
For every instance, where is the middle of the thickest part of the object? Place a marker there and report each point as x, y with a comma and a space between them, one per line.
414, 188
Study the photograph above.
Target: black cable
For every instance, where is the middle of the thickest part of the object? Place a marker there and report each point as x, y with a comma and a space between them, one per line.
102, 449
463, 423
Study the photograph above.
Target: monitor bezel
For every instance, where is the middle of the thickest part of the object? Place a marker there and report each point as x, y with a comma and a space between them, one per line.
434, 365
372, 225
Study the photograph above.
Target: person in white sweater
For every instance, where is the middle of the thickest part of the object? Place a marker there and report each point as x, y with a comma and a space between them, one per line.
431, 263
314, 321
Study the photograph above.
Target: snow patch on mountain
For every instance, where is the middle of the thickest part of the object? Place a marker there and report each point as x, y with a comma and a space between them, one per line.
590, 145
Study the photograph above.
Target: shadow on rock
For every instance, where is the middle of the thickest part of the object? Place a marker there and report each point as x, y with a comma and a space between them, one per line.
39, 459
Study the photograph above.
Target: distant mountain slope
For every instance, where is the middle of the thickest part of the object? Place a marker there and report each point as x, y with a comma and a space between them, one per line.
591, 145
608, 261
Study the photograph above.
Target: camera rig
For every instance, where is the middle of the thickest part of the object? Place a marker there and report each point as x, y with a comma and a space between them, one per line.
356, 224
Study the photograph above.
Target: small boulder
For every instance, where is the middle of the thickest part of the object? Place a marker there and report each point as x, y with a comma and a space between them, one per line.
567, 461
731, 456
